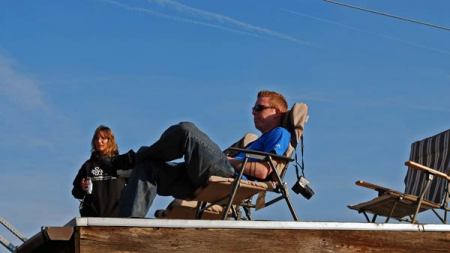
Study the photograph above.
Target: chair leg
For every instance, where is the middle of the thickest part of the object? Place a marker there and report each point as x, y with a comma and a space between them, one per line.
391, 212
285, 192
365, 215
445, 204
236, 184
248, 212
443, 220
422, 195
374, 218
200, 209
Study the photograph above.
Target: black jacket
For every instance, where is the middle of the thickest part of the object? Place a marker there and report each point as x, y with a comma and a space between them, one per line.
106, 191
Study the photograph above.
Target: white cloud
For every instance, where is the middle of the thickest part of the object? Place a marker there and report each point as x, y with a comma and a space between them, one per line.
18, 87
28, 120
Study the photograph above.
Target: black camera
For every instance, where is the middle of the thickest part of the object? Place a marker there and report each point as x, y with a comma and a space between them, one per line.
302, 187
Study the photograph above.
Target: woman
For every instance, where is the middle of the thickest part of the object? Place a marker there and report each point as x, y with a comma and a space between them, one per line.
97, 184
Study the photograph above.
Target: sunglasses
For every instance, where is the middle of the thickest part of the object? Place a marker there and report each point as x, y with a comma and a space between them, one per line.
260, 108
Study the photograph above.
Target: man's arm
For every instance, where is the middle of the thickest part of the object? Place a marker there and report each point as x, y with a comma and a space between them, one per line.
259, 170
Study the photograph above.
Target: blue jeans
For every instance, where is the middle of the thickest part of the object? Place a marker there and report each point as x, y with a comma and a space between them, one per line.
153, 174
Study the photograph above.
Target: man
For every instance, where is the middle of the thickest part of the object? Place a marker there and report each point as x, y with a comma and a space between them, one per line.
154, 174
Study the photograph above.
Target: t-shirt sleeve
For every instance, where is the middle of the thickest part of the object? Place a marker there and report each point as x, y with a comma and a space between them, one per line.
277, 141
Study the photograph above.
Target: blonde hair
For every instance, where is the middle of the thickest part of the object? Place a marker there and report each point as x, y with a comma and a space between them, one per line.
112, 148
276, 99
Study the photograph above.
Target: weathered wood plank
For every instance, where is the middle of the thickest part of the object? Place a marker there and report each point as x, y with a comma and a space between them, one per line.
135, 239
50, 239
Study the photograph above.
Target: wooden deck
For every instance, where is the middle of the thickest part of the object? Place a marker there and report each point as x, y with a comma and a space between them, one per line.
157, 235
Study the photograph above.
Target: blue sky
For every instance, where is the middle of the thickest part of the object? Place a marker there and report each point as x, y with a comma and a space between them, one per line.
374, 85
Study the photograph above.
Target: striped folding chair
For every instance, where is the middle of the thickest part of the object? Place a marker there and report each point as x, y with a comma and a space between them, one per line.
426, 185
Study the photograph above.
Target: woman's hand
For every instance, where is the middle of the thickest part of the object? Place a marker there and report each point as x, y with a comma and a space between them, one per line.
84, 184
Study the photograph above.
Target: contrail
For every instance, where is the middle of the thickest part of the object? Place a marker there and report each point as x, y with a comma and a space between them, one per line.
226, 20
372, 33
240, 27
185, 20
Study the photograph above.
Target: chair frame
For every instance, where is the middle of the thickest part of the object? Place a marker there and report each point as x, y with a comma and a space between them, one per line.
421, 203
293, 121
281, 186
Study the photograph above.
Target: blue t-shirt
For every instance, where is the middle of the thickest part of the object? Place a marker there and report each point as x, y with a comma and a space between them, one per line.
275, 141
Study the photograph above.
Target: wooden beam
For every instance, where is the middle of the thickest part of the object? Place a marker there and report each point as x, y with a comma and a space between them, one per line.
135, 239
153, 235
50, 239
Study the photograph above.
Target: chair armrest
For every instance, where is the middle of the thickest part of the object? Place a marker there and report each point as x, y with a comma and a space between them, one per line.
418, 166
375, 187
254, 152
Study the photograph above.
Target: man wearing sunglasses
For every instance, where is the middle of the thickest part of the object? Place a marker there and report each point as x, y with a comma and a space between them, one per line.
153, 172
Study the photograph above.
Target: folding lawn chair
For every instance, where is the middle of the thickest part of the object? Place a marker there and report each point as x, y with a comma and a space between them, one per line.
426, 184
222, 196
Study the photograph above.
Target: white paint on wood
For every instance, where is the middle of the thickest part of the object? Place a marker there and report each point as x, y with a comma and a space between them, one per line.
231, 224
